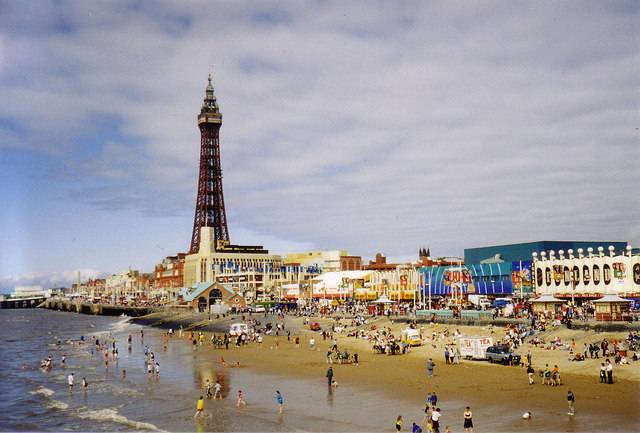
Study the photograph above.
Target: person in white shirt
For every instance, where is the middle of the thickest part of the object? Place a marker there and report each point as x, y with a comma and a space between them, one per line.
70, 379
609, 372
435, 420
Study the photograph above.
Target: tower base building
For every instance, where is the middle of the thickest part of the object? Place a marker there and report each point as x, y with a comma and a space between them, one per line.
249, 270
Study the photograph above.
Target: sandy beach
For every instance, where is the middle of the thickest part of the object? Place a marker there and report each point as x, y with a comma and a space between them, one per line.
497, 394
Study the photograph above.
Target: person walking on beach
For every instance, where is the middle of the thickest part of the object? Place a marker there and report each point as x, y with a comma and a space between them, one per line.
603, 373
468, 420
280, 401
199, 407
446, 354
415, 428
609, 369
218, 391
435, 420
329, 376
312, 343
530, 373
430, 366
208, 392
571, 400
399, 423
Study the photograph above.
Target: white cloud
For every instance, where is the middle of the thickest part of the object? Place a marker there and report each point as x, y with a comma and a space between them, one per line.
368, 128
47, 279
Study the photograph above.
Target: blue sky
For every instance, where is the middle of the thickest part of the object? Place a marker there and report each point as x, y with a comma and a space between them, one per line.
363, 126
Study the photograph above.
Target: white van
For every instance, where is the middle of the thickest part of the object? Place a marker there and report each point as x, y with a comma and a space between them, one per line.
238, 329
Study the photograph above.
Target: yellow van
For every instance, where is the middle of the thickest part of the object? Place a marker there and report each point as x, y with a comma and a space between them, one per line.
411, 337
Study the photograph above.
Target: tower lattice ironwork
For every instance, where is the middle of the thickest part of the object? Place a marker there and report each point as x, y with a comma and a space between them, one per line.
210, 211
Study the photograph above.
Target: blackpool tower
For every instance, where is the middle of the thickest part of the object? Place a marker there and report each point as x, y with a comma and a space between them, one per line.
210, 211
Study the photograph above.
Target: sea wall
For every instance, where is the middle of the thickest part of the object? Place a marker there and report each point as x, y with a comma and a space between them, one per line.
176, 320
96, 309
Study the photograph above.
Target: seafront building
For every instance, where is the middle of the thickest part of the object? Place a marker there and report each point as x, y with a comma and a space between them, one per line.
127, 286
324, 261
587, 273
508, 271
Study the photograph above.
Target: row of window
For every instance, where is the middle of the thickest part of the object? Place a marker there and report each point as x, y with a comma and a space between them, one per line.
565, 275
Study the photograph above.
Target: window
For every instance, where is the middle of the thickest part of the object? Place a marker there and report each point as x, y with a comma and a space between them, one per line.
586, 275
576, 275
567, 276
606, 271
636, 273
557, 274
596, 274
539, 277
547, 276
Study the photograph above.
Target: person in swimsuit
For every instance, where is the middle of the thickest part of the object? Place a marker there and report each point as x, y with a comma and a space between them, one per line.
280, 401
240, 401
468, 420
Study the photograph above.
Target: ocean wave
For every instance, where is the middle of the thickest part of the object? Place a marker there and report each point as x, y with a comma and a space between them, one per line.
112, 415
56, 404
118, 390
119, 326
45, 392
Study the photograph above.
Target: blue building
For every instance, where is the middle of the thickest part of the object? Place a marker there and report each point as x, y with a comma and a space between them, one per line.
491, 279
516, 252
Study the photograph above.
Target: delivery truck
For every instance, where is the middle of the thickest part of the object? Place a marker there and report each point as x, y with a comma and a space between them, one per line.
475, 347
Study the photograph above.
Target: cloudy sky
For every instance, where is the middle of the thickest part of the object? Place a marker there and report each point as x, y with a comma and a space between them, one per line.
355, 125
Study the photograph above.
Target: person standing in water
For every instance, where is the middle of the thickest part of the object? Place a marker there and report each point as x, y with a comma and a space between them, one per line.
571, 400
240, 401
199, 407
70, 380
280, 401
85, 384
329, 376
468, 420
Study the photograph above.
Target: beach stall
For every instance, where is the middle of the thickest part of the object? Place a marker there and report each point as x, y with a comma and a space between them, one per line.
378, 306
546, 303
611, 308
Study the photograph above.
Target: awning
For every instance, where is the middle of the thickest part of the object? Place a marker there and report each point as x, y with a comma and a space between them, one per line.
547, 299
383, 300
611, 298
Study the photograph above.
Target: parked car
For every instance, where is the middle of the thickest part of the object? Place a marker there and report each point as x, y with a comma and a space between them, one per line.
257, 309
502, 354
315, 326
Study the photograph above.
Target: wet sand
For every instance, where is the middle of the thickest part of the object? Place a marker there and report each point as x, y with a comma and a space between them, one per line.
498, 395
